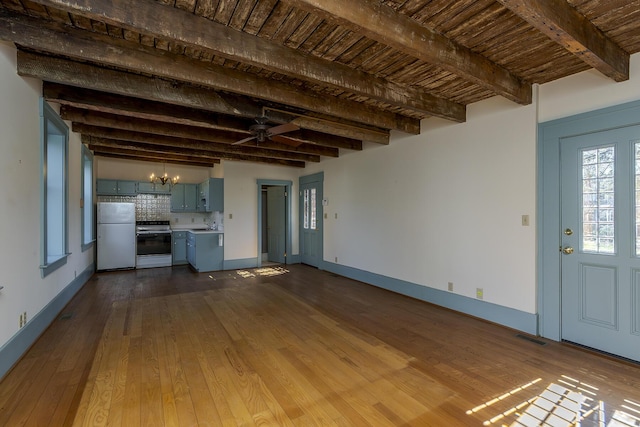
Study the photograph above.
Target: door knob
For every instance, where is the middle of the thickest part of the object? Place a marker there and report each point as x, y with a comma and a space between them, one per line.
567, 250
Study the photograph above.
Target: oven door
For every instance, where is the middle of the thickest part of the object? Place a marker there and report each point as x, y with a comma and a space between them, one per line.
153, 243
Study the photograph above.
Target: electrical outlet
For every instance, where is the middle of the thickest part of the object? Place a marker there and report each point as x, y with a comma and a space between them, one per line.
450, 286
230, 216
525, 220
479, 293
24, 318
336, 259
176, 220
193, 220
325, 215
336, 215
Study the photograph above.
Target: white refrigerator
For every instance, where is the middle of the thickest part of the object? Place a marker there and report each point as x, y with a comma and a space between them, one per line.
116, 235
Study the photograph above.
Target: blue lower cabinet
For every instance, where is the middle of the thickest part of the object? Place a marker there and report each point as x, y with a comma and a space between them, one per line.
205, 250
179, 247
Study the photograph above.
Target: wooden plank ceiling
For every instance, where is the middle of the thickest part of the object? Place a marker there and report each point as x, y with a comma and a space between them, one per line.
298, 80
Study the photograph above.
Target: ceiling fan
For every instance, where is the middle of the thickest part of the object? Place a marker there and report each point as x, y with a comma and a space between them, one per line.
261, 132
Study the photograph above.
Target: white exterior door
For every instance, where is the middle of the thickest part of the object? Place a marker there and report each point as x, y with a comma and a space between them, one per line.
600, 252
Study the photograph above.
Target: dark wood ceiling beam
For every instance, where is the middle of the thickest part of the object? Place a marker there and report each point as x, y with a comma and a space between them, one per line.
150, 149
153, 110
88, 76
150, 17
228, 151
103, 142
382, 23
143, 157
115, 121
563, 24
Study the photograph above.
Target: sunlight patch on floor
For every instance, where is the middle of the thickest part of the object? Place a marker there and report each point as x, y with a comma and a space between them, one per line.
264, 272
565, 402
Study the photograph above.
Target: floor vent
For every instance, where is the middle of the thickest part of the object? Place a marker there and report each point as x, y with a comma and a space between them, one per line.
66, 316
533, 340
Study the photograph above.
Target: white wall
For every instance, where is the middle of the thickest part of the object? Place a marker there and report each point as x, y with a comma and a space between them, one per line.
24, 289
241, 202
444, 206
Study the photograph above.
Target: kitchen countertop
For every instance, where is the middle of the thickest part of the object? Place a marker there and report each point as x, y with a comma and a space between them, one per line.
206, 231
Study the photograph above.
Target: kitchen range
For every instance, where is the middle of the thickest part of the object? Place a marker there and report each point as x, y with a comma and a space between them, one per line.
193, 236
153, 244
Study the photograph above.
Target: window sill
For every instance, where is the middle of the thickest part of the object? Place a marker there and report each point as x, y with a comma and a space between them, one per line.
53, 263
87, 246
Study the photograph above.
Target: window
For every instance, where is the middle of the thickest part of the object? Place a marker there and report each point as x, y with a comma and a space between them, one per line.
309, 209
598, 201
54, 135
86, 205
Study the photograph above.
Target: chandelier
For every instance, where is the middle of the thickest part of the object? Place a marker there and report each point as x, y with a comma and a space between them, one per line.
164, 178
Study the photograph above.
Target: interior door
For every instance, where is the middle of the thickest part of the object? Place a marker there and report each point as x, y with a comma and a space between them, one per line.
601, 241
311, 223
276, 224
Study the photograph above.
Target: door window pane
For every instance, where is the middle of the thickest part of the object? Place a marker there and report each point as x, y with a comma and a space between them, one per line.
305, 212
598, 201
313, 208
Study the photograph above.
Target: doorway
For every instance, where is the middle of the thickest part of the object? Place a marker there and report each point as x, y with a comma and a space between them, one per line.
274, 222
589, 230
600, 261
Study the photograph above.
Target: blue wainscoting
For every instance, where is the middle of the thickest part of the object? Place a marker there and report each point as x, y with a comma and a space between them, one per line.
13, 350
509, 317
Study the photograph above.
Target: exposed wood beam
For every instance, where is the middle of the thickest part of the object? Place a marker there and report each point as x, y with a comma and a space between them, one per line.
155, 151
142, 157
382, 23
108, 120
563, 24
150, 17
146, 156
153, 110
93, 77
124, 153
187, 146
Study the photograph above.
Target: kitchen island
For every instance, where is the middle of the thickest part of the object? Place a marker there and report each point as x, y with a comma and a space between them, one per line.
205, 250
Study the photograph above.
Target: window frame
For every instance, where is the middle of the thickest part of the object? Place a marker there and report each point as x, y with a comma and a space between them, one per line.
86, 204
51, 126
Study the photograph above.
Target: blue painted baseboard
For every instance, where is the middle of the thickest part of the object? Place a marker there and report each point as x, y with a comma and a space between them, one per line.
13, 350
239, 264
501, 315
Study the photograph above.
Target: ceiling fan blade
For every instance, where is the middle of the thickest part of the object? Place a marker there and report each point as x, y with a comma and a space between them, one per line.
242, 141
285, 140
277, 130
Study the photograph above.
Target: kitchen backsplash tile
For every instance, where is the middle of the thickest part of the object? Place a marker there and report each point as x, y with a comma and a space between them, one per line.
149, 207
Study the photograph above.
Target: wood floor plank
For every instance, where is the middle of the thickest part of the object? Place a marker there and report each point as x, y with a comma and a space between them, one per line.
287, 347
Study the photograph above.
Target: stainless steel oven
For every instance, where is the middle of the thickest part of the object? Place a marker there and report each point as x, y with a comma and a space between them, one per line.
153, 244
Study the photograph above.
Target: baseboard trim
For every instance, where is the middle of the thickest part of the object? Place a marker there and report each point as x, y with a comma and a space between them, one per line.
239, 264
17, 346
509, 317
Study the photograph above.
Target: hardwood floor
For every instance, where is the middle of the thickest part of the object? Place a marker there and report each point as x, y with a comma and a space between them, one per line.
290, 347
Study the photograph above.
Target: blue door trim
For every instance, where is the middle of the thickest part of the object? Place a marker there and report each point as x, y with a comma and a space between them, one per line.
288, 185
548, 197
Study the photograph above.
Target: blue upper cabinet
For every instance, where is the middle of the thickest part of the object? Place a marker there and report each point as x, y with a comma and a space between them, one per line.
184, 198
145, 187
113, 187
211, 195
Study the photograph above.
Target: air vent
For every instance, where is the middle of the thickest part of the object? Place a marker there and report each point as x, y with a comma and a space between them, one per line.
66, 316
531, 339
